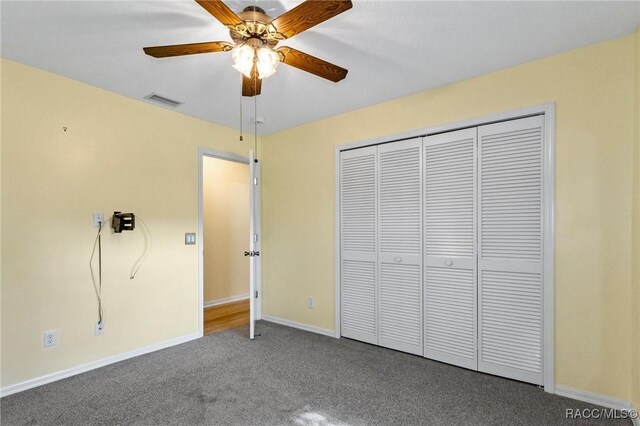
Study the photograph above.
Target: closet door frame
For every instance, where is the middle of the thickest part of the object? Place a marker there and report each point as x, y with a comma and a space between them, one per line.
548, 111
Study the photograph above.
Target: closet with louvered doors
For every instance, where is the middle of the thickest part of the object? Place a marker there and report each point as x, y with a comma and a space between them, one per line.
441, 247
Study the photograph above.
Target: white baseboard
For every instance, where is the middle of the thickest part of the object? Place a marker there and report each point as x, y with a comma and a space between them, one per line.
217, 302
597, 399
59, 375
299, 325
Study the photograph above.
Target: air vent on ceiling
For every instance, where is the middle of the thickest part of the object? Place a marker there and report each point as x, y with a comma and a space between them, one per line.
162, 100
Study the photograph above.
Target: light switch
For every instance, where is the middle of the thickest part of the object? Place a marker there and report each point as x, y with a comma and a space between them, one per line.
190, 238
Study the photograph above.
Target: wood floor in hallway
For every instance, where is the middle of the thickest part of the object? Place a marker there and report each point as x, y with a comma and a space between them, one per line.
229, 315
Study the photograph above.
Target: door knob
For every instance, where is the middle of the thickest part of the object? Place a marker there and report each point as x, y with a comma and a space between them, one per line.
398, 259
448, 262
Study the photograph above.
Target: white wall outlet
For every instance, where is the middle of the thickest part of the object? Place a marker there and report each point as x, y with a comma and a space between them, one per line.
310, 302
98, 329
50, 338
98, 218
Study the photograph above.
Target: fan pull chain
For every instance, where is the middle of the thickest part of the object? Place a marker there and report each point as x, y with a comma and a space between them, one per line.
255, 120
241, 137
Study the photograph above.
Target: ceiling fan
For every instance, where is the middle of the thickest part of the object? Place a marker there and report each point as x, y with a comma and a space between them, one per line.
255, 36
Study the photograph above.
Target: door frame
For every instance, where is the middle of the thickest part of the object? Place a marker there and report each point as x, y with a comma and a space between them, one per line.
228, 156
548, 217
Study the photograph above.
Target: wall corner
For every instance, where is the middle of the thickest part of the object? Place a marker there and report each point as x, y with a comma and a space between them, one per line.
635, 250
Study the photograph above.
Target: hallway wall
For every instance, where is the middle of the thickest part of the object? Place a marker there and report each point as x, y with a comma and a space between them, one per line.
226, 229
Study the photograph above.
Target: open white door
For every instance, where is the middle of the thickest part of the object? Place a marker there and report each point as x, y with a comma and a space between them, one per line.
253, 242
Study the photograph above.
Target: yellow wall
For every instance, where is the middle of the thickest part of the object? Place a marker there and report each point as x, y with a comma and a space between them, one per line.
122, 154
226, 228
117, 154
636, 238
593, 88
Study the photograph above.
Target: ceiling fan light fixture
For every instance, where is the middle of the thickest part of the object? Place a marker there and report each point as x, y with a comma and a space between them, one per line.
243, 57
268, 60
256, 34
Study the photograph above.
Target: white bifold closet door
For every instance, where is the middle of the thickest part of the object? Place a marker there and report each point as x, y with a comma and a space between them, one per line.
441, 247
450, 313
358, 245
510, 263
400, 246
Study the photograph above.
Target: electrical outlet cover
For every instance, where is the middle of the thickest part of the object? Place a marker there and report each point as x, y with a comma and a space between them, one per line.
98, 328
50, 338
310, 302
98, 218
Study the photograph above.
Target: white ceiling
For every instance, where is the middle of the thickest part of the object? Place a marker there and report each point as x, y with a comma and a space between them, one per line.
391, 49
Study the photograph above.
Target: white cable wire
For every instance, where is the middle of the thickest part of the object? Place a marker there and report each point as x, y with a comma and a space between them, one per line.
97, 286
148, 244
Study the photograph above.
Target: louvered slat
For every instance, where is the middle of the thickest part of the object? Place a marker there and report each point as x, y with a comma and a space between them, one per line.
450, 324
510, 283
358, 189
400, 213
449, 222
449, 194
400, 246
511, 320
511, 172
358, 299
358, 204
400, 307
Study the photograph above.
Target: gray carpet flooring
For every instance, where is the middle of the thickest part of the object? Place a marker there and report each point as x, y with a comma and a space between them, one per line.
285, 377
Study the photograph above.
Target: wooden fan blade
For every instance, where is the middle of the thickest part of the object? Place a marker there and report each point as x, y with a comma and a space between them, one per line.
221, 12
311, 64
307, 15
251, 86
187, 49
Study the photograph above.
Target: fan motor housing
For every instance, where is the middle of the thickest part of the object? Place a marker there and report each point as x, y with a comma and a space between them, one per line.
255, 23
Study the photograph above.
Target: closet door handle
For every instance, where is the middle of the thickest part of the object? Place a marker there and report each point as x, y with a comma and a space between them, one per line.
448, 262
398, 259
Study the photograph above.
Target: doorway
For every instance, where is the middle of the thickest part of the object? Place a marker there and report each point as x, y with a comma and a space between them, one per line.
226, 234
